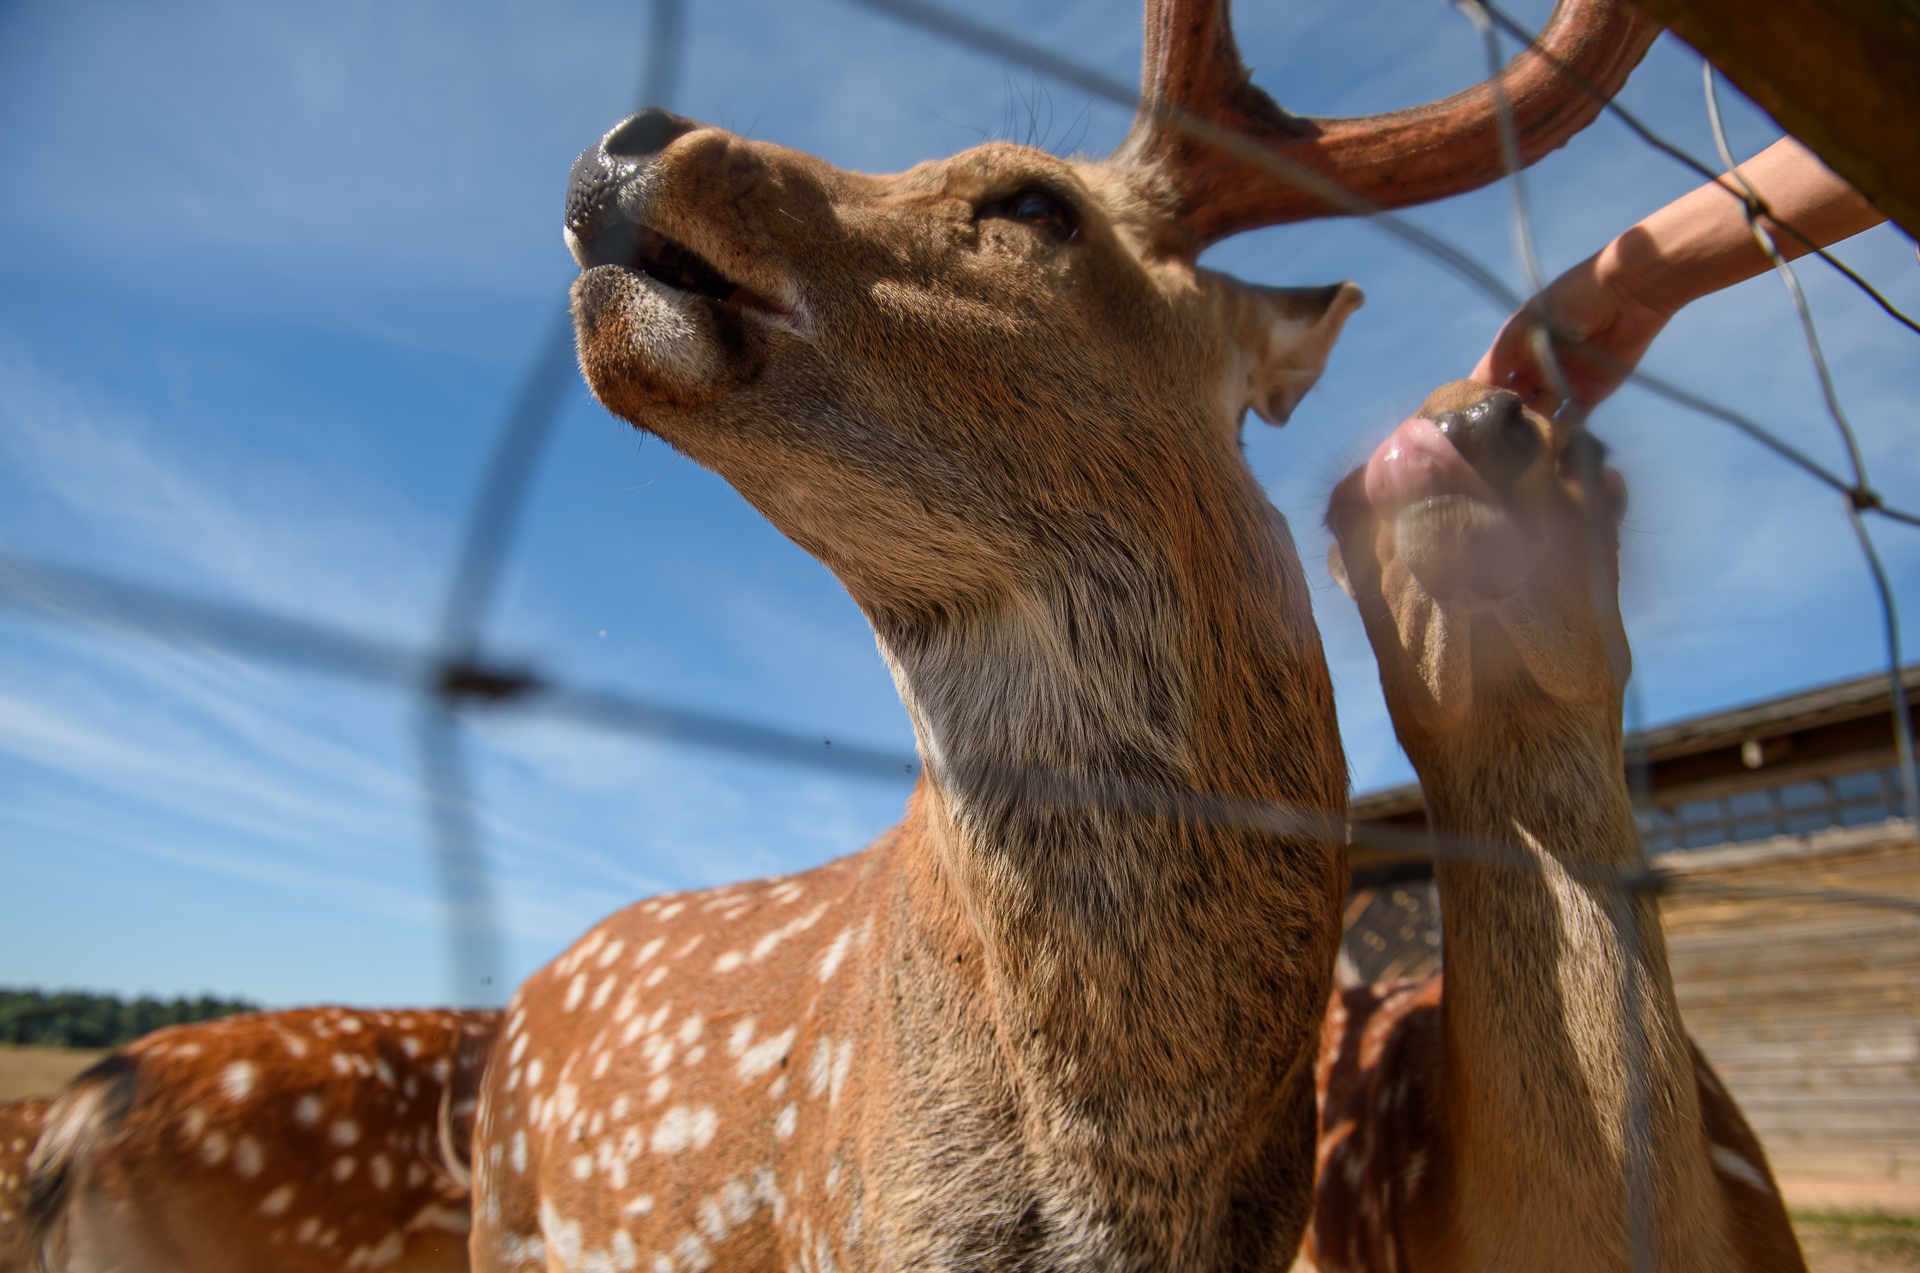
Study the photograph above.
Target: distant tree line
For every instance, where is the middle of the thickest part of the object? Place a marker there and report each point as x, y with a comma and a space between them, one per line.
71, 1019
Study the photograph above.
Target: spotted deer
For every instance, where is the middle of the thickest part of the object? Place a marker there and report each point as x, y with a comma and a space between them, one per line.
304, 1141
998, 399
20, 1123
1480, 1120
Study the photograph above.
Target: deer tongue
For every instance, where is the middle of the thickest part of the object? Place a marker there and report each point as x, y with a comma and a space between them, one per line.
1418, 463
1449, 527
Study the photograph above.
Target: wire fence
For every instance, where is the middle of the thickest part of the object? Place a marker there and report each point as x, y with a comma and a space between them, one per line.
459, 675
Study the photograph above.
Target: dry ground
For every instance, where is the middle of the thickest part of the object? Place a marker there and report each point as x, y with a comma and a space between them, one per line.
30, 1071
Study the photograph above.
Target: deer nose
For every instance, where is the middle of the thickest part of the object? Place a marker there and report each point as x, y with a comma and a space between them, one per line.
603, 219
1495, 436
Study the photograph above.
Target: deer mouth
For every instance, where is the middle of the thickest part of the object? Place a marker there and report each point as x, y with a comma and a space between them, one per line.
1449, 527
672, 264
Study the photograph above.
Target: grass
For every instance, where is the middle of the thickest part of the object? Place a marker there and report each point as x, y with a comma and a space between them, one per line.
1866, 1241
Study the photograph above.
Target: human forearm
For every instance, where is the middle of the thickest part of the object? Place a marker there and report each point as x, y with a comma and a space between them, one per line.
1701, 243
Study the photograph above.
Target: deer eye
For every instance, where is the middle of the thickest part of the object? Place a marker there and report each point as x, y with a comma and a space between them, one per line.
1038, 208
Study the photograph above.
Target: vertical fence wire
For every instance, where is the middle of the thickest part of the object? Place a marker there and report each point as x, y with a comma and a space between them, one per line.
1862, 493
459, 851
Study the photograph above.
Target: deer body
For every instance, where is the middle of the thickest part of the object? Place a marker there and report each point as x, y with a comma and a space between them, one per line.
997, 397
20, 1124
306, 1140
1487, 1127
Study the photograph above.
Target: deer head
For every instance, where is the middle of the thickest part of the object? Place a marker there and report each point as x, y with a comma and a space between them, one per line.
1481, 543
944, 381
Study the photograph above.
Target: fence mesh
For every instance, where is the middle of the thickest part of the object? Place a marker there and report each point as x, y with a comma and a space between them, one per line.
1393, 919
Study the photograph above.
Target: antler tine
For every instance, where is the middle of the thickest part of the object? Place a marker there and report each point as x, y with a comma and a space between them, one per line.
1192, 66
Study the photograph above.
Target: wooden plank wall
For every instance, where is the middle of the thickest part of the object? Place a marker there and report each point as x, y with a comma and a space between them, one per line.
1809, 1010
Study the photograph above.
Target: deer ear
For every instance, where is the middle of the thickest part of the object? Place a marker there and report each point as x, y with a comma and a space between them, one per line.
1337, 567
1288, 349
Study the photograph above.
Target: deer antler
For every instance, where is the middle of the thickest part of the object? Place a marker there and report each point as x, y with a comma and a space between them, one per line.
1393, 159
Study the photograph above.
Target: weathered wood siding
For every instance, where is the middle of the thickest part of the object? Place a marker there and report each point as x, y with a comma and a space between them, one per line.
1809, 1009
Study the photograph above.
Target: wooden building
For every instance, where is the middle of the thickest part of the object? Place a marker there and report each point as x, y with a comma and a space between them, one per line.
1792, 921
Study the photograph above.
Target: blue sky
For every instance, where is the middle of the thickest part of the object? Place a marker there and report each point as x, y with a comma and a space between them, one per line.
269, 274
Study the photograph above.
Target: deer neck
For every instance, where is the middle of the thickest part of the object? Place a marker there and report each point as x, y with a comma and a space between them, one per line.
1153, 981
1535, 1095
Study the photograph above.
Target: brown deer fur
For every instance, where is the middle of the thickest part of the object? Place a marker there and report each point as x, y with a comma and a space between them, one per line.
304, 1141
1485, 1128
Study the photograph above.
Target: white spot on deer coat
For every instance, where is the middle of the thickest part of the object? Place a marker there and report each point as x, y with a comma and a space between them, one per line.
820, 1068
764, 947
345, 1132
518, 1049
1732, 1164
277, 1202
436, 1216
575, 992
380, 1170
236, 1081
693, 1253
789, 1120
517, 1155
766, 1054
386, 1252
307, 1110
248, 1159
684, 1127
562, 1235
343, 1167
835, 953
213, 1149
729, 961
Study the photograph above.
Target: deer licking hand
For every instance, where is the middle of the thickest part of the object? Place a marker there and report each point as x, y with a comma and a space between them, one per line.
996, 396
1484, 1125
305, 1141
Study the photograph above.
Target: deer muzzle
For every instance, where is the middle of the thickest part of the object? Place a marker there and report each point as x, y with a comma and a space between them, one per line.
1444, 482
607, 187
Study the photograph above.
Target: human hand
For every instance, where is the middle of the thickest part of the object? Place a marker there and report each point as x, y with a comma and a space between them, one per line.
1603, 330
